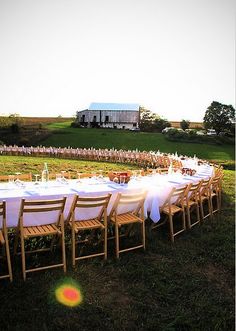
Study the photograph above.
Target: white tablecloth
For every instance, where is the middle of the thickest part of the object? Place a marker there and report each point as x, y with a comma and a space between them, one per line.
157, 186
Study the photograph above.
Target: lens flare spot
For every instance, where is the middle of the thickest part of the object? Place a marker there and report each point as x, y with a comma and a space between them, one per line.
68, 295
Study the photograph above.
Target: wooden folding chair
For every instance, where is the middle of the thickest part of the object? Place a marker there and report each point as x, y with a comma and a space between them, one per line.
219, 188
4, 239
27, 177
66, 175
81, 175
174, 204
215, 194
191, 202
218, 170
205, 199
52, 210
134, 203
88, 214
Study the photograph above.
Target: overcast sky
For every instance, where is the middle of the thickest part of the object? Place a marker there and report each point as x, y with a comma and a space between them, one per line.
172, 56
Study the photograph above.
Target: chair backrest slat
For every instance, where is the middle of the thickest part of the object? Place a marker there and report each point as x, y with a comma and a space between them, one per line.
41, 206
90, 203
135, 200
176, 196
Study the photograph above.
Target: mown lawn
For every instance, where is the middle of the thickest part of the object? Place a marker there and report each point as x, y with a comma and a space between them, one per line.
64, 135
185, 286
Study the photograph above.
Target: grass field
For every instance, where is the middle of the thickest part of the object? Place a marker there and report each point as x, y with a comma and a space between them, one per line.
13, 164
185, 286
64, 135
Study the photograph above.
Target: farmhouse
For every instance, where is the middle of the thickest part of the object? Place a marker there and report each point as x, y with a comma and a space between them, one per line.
110, 115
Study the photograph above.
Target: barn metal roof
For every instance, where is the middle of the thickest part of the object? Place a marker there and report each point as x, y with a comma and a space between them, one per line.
114, 106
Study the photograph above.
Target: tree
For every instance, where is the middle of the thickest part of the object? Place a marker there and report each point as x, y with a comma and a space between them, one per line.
160, 124
219, 117
146, 119
150, 121
184, 124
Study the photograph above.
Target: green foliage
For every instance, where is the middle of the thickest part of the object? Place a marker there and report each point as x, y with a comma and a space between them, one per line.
219, 117
184, 124
150, 121
160, 124
75, 125
146, 119
174, 133
15, 128
192, 137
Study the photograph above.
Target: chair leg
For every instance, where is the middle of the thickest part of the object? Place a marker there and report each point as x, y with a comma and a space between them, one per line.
201, 210
171, 228
218, 203
198, 213
117, 240
210, 207
8, 258
23, 256
63, 250
183, 220
105, 243
188, 218
143, 234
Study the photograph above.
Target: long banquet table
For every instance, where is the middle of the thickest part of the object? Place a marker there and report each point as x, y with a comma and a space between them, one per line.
158, 186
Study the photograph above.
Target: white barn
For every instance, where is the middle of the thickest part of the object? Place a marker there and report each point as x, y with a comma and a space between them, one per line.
110, 115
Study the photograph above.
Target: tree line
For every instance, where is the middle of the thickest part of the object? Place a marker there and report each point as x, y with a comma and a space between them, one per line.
218, 116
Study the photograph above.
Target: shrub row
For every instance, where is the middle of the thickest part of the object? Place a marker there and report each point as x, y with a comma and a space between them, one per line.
192, 137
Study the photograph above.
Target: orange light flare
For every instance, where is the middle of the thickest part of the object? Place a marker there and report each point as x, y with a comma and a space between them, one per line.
69, 295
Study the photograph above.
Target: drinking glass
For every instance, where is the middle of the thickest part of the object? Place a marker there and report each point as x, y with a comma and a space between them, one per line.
63, 179
94, 176
122, 180
154, 172
139, 174
18, 182
11, 179
58, 177
134, 174
100, 176
36, 179
116, 180
78, 177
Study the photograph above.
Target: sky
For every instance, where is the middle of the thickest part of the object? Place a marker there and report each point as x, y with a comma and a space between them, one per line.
173, 57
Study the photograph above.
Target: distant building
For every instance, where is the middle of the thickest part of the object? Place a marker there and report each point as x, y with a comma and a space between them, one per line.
110, 115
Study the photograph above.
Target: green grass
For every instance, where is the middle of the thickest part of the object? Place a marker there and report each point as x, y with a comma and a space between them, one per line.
26, 164
185, 286
64, 135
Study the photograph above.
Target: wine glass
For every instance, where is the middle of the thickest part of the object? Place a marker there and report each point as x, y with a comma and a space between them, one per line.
116, 180
100, 176
134, 174
78, 177
18, 182
154, 172
58, 177
139, 174
122, 180
11, 179
94, 176
63, 179
36, 179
